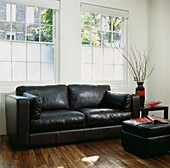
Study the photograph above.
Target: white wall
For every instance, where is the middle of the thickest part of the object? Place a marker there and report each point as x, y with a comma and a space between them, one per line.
158, 85
70, 41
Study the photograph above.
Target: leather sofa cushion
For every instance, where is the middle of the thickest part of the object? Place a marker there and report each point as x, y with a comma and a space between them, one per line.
81, 96
35, 105
58, 120
105, 116
54, 97
116, 101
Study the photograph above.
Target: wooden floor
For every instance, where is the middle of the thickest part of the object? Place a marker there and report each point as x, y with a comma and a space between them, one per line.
98, 154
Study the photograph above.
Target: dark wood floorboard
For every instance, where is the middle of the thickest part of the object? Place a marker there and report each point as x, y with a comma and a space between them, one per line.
96, 154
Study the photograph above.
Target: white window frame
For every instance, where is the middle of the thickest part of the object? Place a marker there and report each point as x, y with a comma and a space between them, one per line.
52, 4
116, 13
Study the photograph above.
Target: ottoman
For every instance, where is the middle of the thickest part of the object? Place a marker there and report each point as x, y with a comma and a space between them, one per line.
146, 140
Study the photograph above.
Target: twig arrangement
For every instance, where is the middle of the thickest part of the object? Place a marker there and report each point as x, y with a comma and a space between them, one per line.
138, 63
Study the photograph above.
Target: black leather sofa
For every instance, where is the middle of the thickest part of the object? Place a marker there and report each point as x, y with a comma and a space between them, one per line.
58, 114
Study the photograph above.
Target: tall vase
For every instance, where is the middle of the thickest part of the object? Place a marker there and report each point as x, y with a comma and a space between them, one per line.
140, 90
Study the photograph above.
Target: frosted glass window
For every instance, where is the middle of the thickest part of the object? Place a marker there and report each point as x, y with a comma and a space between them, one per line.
33, 72
33, 52
97, 55
5, 71
108, 55
118, 72
47, 71
86, 71
108, 72
19, 71
5, 51
19, 51
97, 72
86, 54
118, 58
47, 52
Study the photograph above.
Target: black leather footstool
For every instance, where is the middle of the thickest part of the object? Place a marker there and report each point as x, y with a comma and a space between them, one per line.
146, 140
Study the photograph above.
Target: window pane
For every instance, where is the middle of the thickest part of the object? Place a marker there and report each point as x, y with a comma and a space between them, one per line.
47, 52
97, 55
86, 70
85, 20
97, 72
4, 30
108, 72
86, 53
117, 38
108, 55
32, 14
33, 32
18, 71
96, 38
47, 16
13, 14
19, 11
33, 73
85, 35
118, 72
118, 58
107, 24
117, 23
5, 71
96, 21
3, 11
47, 71
5, 48
46, 33
107, 36
19, 30
19, 52
33, 52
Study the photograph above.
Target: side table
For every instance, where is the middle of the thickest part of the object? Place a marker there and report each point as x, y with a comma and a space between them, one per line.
145, 110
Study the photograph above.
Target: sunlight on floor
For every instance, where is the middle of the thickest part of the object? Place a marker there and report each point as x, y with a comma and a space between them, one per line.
91, 159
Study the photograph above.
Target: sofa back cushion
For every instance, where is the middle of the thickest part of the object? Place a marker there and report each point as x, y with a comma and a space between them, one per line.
53, 96
81, 96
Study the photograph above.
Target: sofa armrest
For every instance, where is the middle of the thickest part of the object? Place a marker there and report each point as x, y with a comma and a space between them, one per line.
135, 105
17, 119
35, 105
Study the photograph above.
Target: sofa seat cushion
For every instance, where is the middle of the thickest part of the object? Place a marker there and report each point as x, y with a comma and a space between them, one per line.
104, 116
58, 120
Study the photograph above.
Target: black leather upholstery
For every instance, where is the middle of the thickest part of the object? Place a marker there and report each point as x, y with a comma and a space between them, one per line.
58, 120
53, 97
81, 96
105, 116
35, 105
146, 130
116, 101
146, 140
69, 113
